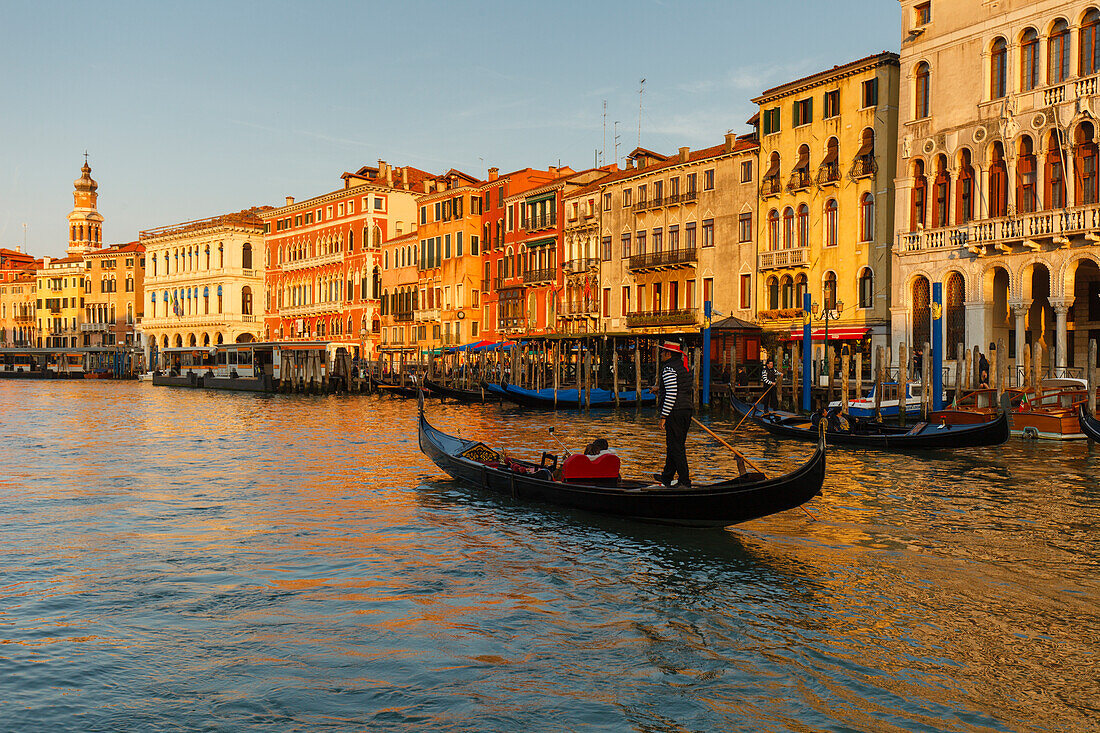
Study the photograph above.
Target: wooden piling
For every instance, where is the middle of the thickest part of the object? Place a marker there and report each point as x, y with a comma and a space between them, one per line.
966, 369
858, 389
880, 378
1090, 376
637, 371
695, 378
903, 382
796, 371
1001, 364
1025, 381
587, 379
960, 357
844, 357
926, 380
830, 364
1037, 367
615, 369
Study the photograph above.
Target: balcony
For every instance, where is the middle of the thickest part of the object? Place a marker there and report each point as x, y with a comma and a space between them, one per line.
689, 197
1022, 230
402, 316
783, 258
85, 327
426, 314
544, 221
485, 285
589, 308
681, 317
800, 179
512, 323
864, 166
828, 173
770, 186
641, 205
665, 260
539, 276
581, 265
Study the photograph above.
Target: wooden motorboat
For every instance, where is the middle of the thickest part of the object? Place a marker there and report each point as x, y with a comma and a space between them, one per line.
1090, 426
859, 432
567, 399
747, 497
1051, 414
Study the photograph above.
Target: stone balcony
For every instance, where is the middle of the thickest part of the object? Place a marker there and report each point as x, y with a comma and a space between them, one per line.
782, 258
426, 314
652, 319
1027, 231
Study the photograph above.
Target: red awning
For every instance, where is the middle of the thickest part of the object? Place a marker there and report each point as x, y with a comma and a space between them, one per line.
835, 334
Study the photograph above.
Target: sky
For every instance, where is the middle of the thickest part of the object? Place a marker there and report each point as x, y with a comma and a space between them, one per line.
193, 109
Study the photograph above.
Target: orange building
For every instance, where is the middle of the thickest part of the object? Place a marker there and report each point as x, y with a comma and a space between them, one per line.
114, 279
324, 274
400, 296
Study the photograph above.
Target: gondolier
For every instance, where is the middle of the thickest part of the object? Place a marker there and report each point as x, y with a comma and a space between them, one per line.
675, 411
770, 378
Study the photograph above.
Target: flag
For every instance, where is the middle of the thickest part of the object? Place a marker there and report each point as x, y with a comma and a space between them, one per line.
176, 305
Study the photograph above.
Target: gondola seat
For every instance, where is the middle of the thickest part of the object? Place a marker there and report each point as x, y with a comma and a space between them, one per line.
599, 469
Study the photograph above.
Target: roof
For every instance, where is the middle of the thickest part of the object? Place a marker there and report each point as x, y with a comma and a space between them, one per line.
732, 323
876, 59
115, 249
245, 218
373, 174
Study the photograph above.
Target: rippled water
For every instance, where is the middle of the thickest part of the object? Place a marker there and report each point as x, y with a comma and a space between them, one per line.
177, 560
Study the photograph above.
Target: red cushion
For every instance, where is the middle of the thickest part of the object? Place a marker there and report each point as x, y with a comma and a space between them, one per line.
579, 467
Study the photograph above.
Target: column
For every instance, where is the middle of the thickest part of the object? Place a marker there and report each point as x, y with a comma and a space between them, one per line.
1019, 311
978, 328
1061, 308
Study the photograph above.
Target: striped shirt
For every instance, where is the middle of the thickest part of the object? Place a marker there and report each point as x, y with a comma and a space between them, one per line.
668, 390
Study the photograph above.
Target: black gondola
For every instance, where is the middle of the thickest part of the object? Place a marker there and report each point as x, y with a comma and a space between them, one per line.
456, 393
566, 398
396, 389
721, 504
864, 433
1090, 426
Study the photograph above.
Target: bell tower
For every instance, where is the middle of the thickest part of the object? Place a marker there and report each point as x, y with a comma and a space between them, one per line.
85, 222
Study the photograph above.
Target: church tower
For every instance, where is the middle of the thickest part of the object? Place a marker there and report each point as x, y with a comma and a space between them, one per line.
85, 223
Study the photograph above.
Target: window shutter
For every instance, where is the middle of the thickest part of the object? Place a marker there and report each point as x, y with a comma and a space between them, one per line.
810, 109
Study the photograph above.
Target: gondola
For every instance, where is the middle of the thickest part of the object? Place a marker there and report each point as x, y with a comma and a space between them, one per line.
1090, 426
720, 504
456, 393
567, 399
869, 434
397, 390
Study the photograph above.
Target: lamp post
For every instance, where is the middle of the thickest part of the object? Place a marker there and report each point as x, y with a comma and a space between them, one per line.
827, 315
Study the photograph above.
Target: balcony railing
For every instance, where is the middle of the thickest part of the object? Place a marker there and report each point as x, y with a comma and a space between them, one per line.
95, 326
864, 166
800, 179
513, 322
689, 196
770, 186
485, 286
589, 308
680, 317
402, 316
667, 258
542, 221
538, 276
426, 314
498, 283
641, 205
783, 258
581, 265
1021, 229
828, 173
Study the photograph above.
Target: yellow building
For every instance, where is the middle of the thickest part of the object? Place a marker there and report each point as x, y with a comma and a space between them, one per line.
827, 160
400, 295
113, 288
204, 281
59, 302
17, 310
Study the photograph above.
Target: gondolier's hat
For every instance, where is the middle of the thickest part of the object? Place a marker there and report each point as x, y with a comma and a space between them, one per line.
670, 345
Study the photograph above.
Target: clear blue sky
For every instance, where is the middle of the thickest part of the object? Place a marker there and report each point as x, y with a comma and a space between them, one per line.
193, 109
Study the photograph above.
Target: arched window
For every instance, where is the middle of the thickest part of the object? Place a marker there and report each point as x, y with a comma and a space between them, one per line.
964, 207
828, 291
955, 314
867, 217
246, 300
206, 299
1029, 59
1090, 43
831, 223
918, 197
922, 313
1055, 183
922, 102
998, 182
773, 293
801, 287
376, 283
998, 69
866, 288
786, 288
942, 191
803, 225
1085, 153
830, 166
788, 228
1058, 53
1027, 196
246, 256
773, 230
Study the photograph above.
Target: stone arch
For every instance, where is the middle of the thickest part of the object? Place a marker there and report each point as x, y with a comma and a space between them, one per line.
1067, 273
206, 339
1026, 273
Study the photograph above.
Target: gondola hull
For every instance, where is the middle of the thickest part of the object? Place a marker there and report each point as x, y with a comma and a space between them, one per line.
923, 436
453, 393
567, 399
1090, 426
716, 505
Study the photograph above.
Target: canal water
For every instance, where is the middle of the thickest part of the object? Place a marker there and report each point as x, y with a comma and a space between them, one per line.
184, 560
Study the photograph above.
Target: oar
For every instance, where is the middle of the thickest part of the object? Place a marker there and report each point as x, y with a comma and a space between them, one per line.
735, 451
754, 404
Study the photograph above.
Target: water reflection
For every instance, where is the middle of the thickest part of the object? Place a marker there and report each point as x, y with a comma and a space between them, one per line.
178, 559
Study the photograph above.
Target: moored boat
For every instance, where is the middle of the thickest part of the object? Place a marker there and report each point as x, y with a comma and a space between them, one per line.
456, 393
568, 399
719, 504
858, 432
1090, 426
865, 406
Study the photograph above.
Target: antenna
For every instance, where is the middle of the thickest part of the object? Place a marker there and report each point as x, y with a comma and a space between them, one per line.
603, 147
616, 129
641, 91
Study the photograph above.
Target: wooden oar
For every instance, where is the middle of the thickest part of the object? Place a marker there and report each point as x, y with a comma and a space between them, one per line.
754, 404
735, 451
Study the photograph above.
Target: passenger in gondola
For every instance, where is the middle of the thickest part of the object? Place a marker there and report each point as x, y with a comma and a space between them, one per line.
769, 377
675, 410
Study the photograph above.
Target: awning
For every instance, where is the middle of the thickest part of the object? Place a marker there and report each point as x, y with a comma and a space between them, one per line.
866, 148
835, 334
830, 156
773, 169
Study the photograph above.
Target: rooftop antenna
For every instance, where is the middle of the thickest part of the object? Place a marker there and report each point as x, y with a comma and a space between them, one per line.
603, 147
641, 91
24, 236
616, 131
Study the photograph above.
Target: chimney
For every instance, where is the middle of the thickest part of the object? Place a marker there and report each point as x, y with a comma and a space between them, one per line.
45, 262
731, 138
427, 186
405, 177
552, 170
494, 173
684, 154
382, 167
289, 200
389, 177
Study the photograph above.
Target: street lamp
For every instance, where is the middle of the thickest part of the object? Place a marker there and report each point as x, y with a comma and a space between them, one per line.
827, 315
